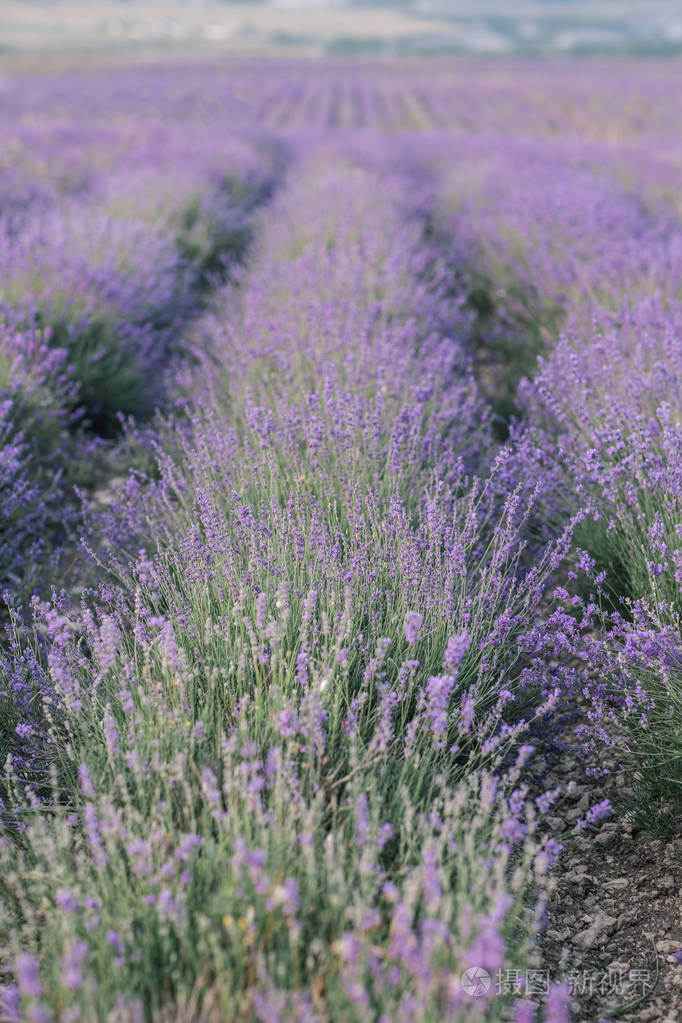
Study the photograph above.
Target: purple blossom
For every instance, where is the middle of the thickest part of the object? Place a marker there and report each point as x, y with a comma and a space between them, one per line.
385, 834
598, 811
412, 626
287, 723
72, 963
455, 650
187, 847
524, 1011
87, 787
438, 691
467, 711
517, 801
27, 976
10, 1003
66, 901
513, 830
546, 800
114, 940
558, 1007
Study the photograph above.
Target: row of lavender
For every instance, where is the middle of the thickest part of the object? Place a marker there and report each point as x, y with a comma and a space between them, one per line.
574, 264
276, 764
108, 239
630, 102
292, 664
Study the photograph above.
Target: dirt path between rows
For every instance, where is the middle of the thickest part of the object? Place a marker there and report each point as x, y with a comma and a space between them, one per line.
614, 921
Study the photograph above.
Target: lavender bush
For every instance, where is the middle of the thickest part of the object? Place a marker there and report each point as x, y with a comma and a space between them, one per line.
34, 387
114, 291
546, 237
615, 450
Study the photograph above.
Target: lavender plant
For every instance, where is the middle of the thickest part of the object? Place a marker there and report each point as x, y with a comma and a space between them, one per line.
619, 454
545, 236
302, 681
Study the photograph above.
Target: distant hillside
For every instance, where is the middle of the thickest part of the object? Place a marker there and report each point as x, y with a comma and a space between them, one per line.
527, 27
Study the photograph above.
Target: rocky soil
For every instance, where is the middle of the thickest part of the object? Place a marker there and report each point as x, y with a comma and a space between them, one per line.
614, 921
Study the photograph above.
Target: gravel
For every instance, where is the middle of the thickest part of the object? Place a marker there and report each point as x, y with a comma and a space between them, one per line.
614, 920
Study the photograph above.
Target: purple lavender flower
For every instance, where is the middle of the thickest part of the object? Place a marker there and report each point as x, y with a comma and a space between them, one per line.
114, 939
412, 626
10, 1003
524, 1011
385, 834
72, 963
558, 1007
66, 901
513, 830
598, 811
87, 787
287, 723
455, 650
27, 976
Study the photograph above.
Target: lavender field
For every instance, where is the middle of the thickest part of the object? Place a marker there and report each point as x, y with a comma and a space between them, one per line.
341, 549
